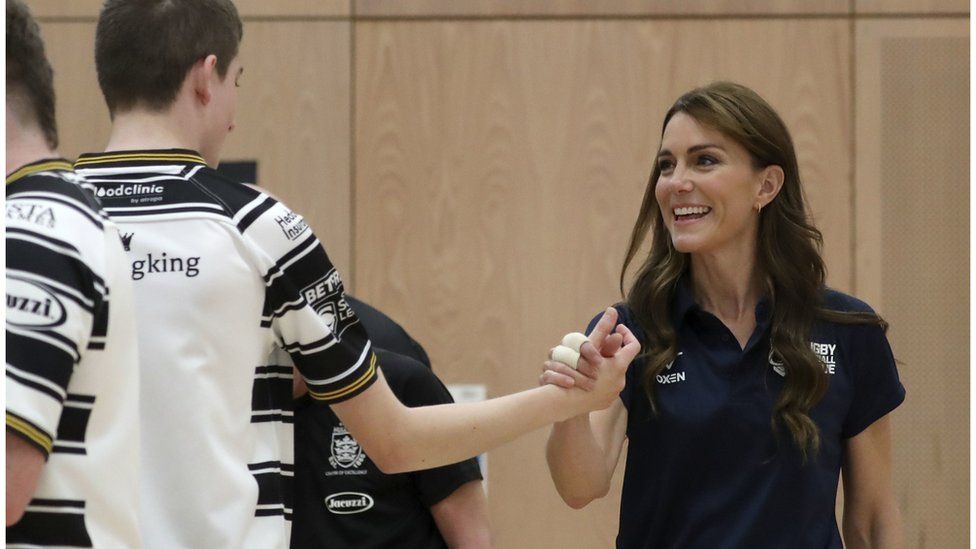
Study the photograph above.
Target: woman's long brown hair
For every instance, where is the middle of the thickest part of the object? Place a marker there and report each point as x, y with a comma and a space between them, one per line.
789, 258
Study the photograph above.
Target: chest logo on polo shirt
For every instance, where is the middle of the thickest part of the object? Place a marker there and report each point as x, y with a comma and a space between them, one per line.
346, 452
674, 377
824, 351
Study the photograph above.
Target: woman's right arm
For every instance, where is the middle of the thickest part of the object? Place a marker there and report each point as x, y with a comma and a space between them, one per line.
583, 451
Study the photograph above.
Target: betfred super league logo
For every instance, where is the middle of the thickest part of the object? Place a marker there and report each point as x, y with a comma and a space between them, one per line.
325, 295
346, 452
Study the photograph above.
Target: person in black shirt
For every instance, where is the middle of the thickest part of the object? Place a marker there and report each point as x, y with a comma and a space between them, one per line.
344, 500
386, 333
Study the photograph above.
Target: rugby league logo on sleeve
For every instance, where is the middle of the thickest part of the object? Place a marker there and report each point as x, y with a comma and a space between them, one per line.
325, 295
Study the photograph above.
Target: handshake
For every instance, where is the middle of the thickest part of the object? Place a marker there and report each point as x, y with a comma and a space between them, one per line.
596, 364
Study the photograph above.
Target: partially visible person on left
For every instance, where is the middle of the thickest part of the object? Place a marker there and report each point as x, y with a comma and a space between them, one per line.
72, 371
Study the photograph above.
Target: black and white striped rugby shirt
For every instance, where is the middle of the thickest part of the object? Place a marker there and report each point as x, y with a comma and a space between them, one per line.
223, 275
72, 374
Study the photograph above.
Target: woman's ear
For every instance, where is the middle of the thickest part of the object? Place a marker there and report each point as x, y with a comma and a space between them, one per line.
770, 185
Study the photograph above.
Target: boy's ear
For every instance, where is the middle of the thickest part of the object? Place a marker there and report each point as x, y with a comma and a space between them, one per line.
201, 78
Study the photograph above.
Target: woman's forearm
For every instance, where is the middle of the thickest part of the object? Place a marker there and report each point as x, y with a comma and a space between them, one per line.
577, 462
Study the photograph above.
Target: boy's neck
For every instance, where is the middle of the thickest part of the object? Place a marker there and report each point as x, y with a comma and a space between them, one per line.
140, 129
25, 148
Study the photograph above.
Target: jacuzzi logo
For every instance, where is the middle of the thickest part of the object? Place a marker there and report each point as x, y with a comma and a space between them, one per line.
32, 305
347, 503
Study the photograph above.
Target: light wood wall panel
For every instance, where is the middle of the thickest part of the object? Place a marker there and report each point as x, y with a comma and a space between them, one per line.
246, 8
65, 8
521, 8
83, 123
912, 204
922, 7
294, 119
293, 8
499, 168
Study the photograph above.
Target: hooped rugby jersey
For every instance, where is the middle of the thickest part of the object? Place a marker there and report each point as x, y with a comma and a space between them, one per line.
72, 374
223, 274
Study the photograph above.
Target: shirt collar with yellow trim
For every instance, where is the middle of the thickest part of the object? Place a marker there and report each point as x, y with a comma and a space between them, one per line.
43, 165
139, 158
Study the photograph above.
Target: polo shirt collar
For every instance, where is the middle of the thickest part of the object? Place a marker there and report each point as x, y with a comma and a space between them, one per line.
153, 157
43, 165
684, 301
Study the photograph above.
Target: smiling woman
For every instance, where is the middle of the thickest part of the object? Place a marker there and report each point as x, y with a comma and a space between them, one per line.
707, 186
757, 384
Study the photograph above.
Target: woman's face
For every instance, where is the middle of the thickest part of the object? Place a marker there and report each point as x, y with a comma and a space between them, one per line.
707, 189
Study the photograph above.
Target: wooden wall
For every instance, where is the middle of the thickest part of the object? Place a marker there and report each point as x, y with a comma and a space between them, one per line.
452, 155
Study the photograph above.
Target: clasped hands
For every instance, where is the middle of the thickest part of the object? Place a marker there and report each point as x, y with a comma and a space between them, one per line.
596, 364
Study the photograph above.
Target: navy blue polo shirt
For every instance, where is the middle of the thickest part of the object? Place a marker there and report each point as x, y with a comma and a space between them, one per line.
707, 471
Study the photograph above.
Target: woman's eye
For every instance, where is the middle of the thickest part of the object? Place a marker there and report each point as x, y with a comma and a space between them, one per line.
665, 165
706, 160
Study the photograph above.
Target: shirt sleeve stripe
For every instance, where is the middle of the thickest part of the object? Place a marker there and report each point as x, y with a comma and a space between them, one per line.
34, 382
367, 351
51, 338
30, 432
67, 250
367, 378
40, 362
14, 232
307, 246
313, 347
252, 215
294, 305
40, 278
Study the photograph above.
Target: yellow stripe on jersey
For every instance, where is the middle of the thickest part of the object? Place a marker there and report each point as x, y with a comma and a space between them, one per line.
107, 158
42, 167
30, 432
339, 393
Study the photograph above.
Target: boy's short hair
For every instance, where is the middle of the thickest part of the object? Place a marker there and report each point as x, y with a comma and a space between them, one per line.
30, 80
144, 48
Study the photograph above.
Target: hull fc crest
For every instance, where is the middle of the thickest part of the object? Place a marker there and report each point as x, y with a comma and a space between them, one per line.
346, 452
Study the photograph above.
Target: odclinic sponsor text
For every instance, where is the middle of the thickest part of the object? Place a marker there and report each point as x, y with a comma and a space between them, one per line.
127, 190
162, 263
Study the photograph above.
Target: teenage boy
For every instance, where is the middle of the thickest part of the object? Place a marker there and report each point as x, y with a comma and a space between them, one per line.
224, 274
